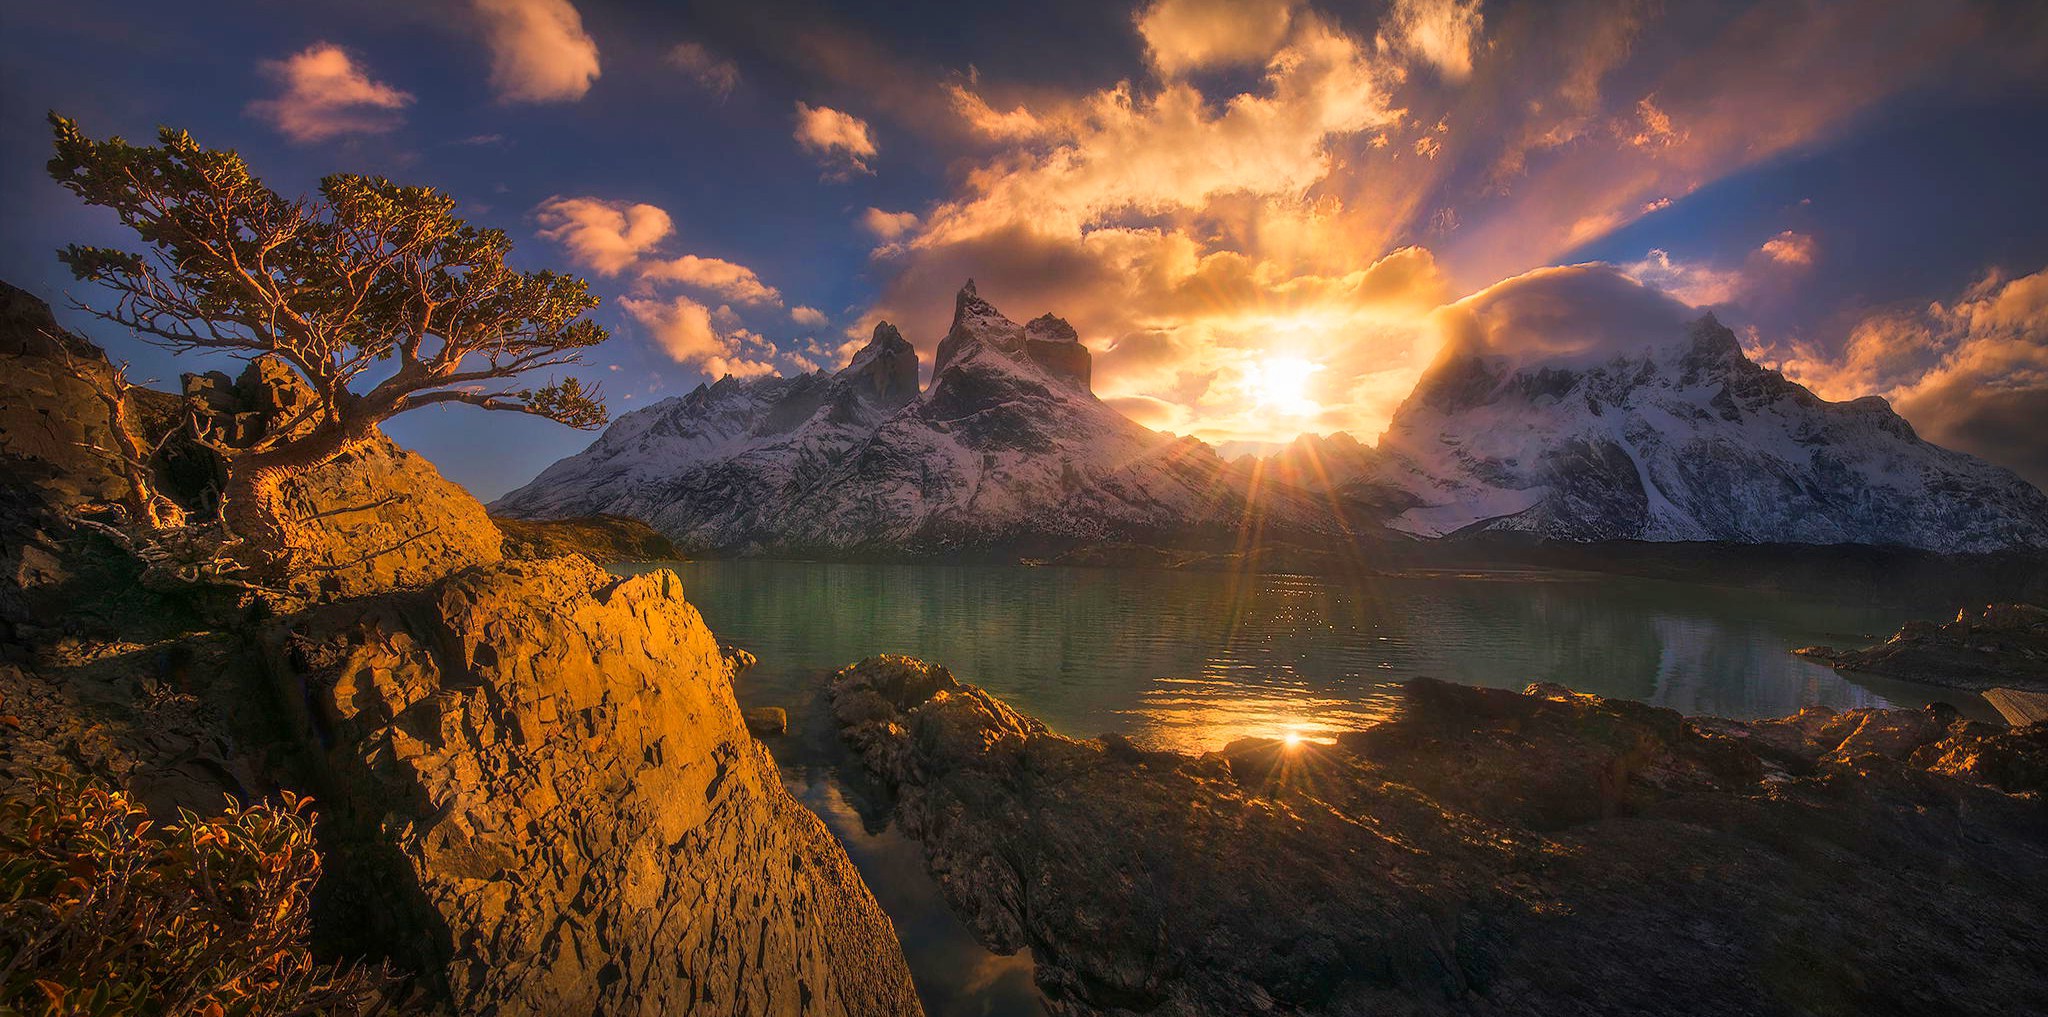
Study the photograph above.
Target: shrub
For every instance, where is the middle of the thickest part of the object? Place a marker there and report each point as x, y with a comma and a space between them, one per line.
104, 912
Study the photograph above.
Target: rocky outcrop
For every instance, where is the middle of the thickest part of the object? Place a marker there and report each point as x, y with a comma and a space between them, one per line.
1997, 646
544, 769
378, 518
536, 790
598, 538
1482, 852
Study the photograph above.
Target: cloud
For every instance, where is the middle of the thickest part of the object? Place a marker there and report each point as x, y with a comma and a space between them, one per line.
539, 50
1971, 374
1605, 132
809, 317
1790, 248
1562, 314
840, 140
325, 95
1698, 285
1123, 150
1437, 32
685, 330
888, 226
715, 275
715, 73
606, 237
1186, 35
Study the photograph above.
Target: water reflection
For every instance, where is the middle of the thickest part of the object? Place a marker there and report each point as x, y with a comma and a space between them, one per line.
1193, 660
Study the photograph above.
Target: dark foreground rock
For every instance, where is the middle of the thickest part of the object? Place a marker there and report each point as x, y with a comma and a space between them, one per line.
1999, 646
602, 539
1484, 852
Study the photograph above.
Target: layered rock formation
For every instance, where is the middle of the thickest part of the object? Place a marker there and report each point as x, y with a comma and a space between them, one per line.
552, 761
1996, 646
1006, 451
1483, 852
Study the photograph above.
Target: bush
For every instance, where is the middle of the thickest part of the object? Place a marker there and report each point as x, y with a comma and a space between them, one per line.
104, 912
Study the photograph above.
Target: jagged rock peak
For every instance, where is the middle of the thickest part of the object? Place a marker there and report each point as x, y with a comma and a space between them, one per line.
971, 312
1047, 328
888, 365
1048, 341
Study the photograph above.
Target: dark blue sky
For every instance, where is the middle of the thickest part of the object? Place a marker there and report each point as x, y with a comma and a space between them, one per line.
1205, 189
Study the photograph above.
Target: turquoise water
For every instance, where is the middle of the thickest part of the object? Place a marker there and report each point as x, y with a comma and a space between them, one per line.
1193, 660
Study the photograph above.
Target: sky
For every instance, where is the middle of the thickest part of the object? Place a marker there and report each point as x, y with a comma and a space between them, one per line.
1253, 212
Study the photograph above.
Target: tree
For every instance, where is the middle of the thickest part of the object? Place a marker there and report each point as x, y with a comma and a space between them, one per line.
373, 286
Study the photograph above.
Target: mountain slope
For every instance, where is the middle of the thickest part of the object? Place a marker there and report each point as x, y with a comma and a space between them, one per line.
1645, 427
1006, 449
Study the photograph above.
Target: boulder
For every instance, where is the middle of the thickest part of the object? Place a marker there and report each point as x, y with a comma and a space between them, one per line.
544, 770
767, 721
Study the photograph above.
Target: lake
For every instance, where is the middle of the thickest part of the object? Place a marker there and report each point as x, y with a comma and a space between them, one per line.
1192, 660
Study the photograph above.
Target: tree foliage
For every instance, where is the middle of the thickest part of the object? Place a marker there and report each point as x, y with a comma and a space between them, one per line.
376, 294
103, 912
372, 273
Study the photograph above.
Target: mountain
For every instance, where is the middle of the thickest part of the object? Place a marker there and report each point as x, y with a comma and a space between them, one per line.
1646, 426
1007, 449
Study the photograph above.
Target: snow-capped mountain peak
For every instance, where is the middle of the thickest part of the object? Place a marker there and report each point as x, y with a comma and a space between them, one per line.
1008, 447
1665, 430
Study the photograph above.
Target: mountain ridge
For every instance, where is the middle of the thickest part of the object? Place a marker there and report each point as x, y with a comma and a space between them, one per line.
1649, 424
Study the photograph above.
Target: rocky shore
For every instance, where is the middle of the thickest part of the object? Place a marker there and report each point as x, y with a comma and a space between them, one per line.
1483, 852
1997, 646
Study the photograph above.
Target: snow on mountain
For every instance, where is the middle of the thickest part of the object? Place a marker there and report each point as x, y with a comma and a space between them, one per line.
1006, 448
1575, 403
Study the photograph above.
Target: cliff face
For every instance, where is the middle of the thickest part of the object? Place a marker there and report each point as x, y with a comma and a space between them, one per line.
556, 758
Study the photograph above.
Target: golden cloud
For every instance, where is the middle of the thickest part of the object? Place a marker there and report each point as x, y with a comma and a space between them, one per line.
539, 50
685, 330
327, 96
1185, 35
840, 140
604, 236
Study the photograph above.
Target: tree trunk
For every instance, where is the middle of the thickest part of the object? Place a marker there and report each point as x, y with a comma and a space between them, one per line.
134, 461
253, 498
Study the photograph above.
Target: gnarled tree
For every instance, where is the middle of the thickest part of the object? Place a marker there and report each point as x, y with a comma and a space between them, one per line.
375, 294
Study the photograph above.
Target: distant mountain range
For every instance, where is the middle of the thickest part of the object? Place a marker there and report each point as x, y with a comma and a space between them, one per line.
1669, 437
1006, 449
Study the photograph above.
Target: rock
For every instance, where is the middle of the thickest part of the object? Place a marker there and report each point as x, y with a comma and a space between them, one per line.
2017, 707
1483, 851
737, 661
546, 771
767, 721
382, 518
1997, 646
602, 539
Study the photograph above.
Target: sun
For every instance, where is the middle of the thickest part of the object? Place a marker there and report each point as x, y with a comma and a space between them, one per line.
1280, 385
